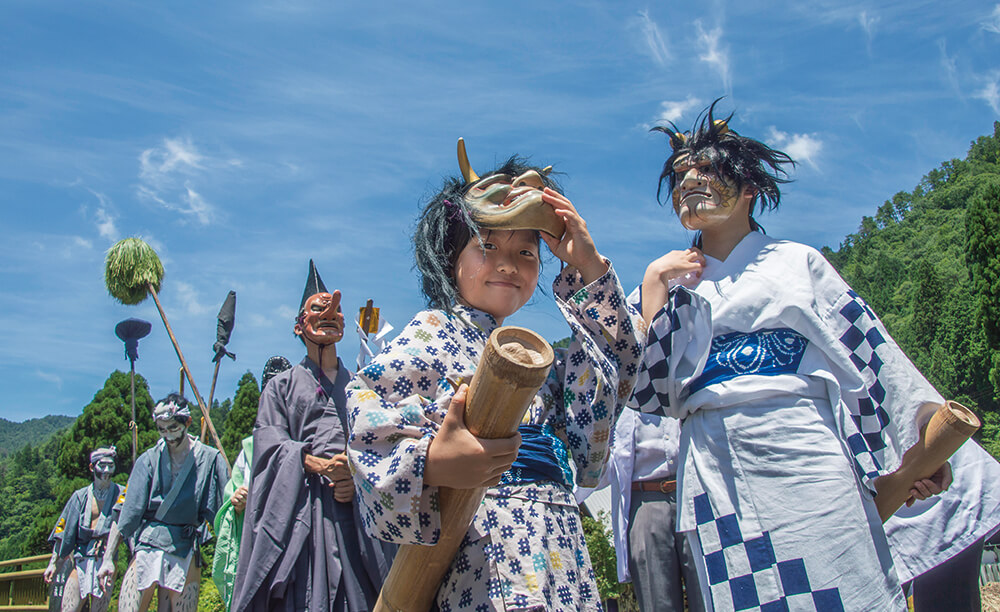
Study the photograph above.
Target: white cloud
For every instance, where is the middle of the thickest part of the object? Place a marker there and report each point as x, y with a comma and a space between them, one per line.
166, 175
49, 377
188, 297
991, 92
950, 67
106, 225
82, 242
655, 45
992, 23
713, 53
673, 110
868, 23
801, 147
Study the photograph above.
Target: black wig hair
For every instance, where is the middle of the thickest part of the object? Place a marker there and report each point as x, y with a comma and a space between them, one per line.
446, 225
749, 162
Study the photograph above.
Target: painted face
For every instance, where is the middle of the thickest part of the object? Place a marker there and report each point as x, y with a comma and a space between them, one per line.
171, 431
511, 203
322, 321
104, 469
499, 275
702, 199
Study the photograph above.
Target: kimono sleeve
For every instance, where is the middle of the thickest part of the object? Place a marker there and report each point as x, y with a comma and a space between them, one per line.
396, 405
886, 397
66, 526
592, 379
216, 486
136, 496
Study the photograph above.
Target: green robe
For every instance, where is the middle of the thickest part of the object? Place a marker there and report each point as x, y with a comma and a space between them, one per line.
228, 531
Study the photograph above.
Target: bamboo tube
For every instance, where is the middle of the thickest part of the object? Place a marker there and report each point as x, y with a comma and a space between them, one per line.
950, 426
511, 371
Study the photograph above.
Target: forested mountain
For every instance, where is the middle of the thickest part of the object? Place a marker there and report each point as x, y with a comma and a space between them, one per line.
928, 263
15, 436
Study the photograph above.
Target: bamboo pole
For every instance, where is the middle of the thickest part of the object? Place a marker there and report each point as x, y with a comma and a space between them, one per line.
511, 370
187, 372
950, 426
133, 425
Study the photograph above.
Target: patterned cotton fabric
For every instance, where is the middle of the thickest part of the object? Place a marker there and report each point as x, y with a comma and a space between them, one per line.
525, 548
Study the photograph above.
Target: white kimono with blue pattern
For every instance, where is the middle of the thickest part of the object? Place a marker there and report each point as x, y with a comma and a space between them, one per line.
794, 398
525, 548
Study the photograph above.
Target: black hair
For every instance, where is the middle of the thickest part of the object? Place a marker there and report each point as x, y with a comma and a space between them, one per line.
749, 162
446, 225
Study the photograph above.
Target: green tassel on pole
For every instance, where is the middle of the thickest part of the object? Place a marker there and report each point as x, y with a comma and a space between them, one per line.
132, 266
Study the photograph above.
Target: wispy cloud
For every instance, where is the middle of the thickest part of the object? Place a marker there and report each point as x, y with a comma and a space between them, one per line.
801, 147
868, 22
106, 225
655, 46
674, 110
713, 53
49, 377
991, 91
950, 67
165, 178
992, 23
189, 299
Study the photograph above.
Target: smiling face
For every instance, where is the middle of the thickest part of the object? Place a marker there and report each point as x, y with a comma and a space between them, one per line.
321, 321
172, 431
703, 199
499, 275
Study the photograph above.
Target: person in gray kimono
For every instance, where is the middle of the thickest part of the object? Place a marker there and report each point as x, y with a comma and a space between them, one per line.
81, 535
303, 545
175, 487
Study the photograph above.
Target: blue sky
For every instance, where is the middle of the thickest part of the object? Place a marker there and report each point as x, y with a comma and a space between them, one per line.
240, 139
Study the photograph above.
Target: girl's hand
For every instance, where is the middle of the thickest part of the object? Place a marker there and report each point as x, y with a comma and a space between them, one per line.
576, 247
929, 487
460, 460
660, 272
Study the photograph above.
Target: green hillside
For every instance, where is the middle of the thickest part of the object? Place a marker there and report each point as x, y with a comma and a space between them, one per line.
15, 436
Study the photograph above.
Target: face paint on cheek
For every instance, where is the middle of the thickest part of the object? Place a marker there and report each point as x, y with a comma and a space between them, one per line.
727, 192
103, 471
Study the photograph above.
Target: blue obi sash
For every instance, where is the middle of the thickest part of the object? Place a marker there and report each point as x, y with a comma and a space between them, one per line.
766, 352
542, 456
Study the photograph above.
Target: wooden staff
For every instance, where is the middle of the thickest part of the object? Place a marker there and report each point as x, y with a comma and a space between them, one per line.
950, 426
511, 371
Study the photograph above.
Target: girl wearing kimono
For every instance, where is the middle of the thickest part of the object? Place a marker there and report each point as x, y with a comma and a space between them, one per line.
174, 488
525, 547
82, 533
794, 401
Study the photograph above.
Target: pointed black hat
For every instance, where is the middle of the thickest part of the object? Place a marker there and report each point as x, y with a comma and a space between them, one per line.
314, 285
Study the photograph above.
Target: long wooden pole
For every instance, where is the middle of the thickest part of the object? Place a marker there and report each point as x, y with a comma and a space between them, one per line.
133, 425
187, 372
511, 370
949, 427
211, 395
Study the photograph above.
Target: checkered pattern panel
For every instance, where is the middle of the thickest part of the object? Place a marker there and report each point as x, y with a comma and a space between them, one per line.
862, 338
651, 387
744, 574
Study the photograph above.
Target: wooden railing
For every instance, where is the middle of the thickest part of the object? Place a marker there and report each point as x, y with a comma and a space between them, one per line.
23, 589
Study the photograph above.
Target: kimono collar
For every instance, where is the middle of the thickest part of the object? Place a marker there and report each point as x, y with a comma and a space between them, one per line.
483, 321
743, 252
324, 385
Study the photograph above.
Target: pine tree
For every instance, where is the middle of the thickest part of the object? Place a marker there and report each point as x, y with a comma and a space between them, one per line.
240, 420
982, 226
105, 421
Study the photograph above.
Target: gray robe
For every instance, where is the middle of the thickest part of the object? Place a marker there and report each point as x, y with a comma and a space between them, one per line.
301, 549
159, 515
72, 534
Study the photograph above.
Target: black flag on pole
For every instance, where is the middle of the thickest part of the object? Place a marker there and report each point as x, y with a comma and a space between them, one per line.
227, 318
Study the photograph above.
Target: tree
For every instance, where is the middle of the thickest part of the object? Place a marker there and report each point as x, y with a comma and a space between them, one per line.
105, 421
982, 228
239, 422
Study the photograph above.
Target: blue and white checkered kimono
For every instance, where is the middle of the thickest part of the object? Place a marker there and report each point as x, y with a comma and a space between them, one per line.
793, 399
525, 548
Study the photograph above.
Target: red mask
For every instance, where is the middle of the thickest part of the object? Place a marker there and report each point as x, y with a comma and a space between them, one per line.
321, 321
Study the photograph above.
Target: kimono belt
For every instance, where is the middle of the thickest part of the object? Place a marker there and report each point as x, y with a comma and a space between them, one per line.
174, 539
88, 544
542, 456
766, 352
